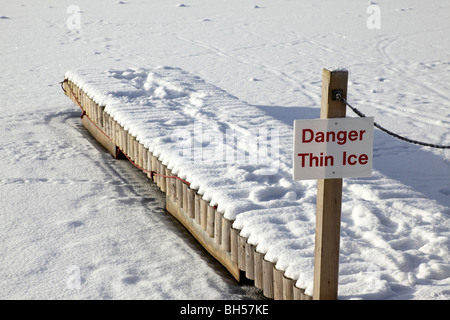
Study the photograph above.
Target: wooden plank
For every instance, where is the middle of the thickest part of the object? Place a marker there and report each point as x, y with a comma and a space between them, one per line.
139, 152
124, 140
288, 288
249, 261
179, 191
234, 239
167, 172
93, 106
86, 106
197, 207
155, 168
117, 134
218, 226
157, 171
329, 199
132, 147
185, 197
90, 106
120, 136
105, 118
99, 115
277, 284
136, 152
191, 202
210, 221
226, 234
258, 273
203, 213
299, 294
163, 182
101, 119
171, 187
268, 268
241, 252
144, 158
149, 164
112, 130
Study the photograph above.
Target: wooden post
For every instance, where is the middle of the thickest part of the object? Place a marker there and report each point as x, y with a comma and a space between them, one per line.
179, 193
190, 202
329, 199
299, 294
226, 234
171, 187
136, 152
249, 261
163, 182
241, 252
203, 213
149, 163
268, 268
140, 154
277, 284
288, 288
210, 221
258, 272
197, 202
218, 226
144, 156
234, 243
185, 197
105, 118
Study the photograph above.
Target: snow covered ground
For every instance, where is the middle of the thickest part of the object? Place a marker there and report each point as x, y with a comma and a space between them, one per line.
70, 212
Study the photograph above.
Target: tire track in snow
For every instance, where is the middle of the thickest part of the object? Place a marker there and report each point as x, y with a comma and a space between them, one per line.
306, 89
396, 68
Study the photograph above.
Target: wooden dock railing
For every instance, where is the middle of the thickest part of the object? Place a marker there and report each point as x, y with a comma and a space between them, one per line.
214, 232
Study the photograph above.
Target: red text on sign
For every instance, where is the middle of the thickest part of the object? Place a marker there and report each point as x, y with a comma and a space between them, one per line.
353, 159
311, 160
316, 161
341, 137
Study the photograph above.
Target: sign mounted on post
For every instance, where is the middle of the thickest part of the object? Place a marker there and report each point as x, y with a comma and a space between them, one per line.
333, 148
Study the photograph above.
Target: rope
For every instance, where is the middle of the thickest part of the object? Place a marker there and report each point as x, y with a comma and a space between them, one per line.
359, 113
152, 173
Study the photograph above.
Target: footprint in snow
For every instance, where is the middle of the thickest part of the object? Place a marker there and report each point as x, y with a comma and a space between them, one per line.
131, 280
75, 224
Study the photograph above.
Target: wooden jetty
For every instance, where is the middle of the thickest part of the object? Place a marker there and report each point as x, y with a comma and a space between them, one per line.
209, 226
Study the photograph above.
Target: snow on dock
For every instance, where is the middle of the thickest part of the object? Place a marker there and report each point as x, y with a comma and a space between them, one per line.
225, 167
230, 157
